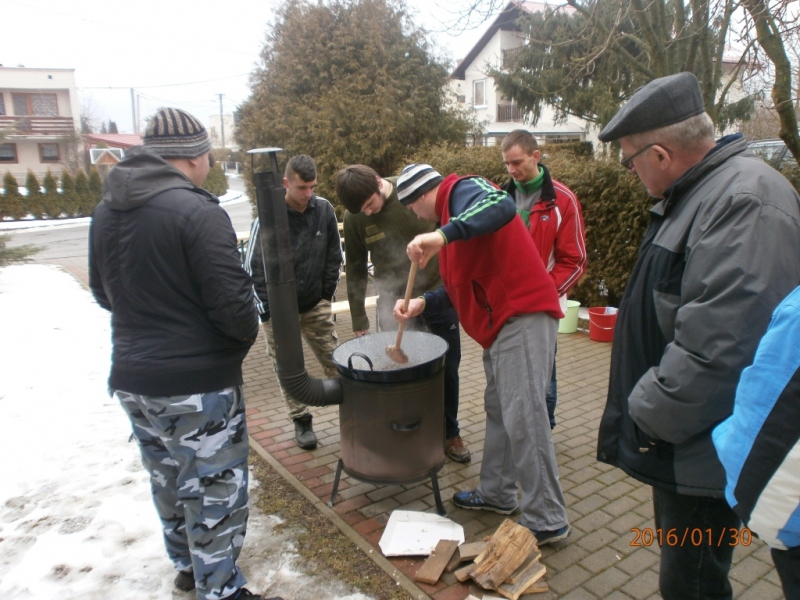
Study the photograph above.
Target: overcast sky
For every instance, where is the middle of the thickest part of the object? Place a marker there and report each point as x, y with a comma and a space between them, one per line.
173, 53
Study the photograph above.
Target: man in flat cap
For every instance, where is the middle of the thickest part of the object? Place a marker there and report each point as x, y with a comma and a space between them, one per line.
507, 302
721, 252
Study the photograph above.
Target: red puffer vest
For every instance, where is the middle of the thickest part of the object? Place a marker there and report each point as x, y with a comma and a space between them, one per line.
493, 277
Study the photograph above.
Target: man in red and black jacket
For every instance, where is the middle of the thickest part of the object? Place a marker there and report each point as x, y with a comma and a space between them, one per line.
553, 215
496, 280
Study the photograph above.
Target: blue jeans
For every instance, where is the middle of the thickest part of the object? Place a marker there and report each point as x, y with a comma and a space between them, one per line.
552, 393
445, 325
690, 571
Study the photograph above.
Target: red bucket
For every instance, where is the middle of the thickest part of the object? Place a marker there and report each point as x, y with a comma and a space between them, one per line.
601, 325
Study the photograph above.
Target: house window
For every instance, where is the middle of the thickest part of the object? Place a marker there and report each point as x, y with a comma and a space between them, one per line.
8, 153
479, 93
49, 153
36, 105
2, 105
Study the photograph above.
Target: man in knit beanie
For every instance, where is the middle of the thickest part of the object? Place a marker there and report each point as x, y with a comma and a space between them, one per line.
163, 260
495, 279
377, 228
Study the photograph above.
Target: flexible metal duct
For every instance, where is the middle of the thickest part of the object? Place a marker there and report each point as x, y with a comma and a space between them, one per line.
276, 247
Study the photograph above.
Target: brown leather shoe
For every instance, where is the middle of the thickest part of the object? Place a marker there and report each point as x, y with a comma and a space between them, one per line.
457, 450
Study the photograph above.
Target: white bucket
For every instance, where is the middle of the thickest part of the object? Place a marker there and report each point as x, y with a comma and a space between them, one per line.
569, 324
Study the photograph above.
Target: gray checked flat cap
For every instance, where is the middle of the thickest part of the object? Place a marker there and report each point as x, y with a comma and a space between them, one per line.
663, 101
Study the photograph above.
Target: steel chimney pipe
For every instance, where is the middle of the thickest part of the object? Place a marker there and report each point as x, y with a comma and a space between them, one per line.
276, 248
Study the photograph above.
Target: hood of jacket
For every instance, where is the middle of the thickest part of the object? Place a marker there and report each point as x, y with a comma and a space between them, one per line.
140, 177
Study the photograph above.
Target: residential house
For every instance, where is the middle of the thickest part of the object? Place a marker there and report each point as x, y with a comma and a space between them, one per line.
498, 115
109, 148
39, 121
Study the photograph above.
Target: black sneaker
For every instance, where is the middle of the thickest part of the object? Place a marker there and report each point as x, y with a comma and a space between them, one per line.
549, 537
304, 434
184, 580
245, 594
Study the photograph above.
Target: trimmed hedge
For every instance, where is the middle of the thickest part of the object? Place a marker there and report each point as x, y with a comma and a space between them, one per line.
79, 193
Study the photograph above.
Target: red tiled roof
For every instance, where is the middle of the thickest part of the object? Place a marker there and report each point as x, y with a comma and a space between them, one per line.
115, 140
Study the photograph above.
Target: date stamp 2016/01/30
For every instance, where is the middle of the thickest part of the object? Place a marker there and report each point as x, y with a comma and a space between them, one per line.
691, 537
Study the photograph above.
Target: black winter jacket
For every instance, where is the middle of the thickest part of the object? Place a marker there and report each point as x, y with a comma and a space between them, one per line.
163, 259
316, 256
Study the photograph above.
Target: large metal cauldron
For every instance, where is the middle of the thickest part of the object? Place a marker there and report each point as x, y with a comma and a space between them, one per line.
391, 416
391, 419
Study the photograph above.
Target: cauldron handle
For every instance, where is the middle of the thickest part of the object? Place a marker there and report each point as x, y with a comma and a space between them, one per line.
402, 427
361, 355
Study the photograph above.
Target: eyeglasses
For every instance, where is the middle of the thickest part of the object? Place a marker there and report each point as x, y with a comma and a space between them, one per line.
628, 162
210, 160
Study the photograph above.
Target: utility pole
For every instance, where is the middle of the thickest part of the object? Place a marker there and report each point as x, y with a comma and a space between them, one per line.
221, 120
133, 113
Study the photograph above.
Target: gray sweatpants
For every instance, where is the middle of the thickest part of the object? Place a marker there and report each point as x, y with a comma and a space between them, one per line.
518, 446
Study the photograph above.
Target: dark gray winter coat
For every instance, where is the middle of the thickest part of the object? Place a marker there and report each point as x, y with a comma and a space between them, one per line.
721, 252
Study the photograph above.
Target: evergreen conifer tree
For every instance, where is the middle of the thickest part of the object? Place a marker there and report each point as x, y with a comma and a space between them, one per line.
11, 205
17, 254
34, 200
216, 181
68, 197
83, 195
95, 187
52, 199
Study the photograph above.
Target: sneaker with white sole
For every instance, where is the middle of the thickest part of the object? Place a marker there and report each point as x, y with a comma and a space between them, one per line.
472, 501
549, 537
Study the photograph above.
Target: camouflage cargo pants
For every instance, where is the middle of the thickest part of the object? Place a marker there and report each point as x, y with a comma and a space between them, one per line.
318, 331
195, 449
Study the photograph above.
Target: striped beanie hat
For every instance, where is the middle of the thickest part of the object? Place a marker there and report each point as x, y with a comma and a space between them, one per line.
414, 181
174, 133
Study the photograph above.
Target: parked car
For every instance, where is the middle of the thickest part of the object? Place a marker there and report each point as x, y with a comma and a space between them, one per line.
773, 151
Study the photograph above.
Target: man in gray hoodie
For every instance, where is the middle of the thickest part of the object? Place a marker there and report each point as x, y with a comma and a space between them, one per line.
163, 260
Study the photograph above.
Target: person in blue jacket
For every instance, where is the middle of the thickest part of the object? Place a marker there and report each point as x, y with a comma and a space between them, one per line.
759, 444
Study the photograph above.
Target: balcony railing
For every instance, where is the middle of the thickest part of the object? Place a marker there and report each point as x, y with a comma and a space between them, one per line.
37, 125
509, 56
510, 113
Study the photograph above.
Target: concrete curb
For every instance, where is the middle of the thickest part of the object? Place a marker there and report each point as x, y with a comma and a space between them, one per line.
359, 541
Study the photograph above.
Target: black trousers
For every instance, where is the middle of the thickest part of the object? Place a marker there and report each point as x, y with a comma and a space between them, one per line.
695, 561
787, 562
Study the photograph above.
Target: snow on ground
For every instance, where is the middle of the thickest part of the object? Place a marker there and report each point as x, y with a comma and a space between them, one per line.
230, 197
76, 516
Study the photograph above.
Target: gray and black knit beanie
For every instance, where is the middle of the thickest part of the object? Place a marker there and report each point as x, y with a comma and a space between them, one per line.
414, 181
174, 133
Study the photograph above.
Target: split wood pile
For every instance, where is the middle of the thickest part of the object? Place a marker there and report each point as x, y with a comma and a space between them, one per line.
507, 563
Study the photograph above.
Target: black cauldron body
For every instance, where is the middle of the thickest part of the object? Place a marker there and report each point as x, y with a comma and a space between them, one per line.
391, 418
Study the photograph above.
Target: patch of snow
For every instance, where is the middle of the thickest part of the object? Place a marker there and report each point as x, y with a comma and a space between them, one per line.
76, 514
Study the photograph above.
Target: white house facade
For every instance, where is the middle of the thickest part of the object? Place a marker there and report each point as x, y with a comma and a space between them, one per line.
474, 89
39, 120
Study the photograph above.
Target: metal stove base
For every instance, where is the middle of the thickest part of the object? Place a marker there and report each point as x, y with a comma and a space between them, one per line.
432, 474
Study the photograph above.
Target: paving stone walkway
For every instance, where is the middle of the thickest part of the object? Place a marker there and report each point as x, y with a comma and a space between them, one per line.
599, 560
